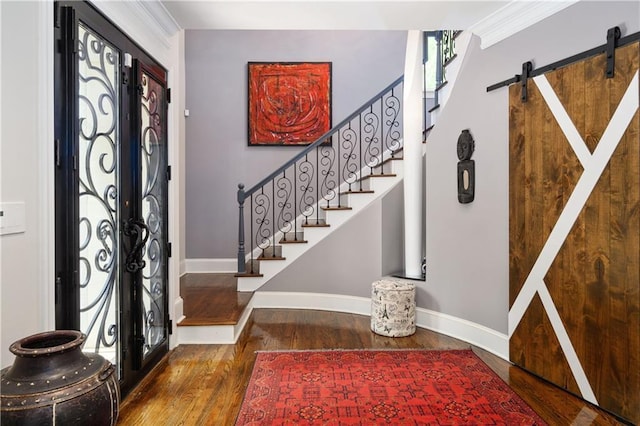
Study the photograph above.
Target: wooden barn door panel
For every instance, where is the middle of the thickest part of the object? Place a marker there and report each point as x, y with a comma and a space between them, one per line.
575, 230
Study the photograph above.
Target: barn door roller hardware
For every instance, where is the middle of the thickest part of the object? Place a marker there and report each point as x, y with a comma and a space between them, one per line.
527, 67
614, 40
613, 35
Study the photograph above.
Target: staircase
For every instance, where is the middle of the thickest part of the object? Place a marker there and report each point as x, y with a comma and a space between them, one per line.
290, 245
321, 188
316, 192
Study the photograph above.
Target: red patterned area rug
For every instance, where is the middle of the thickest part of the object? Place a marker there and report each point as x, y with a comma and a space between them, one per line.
367, 387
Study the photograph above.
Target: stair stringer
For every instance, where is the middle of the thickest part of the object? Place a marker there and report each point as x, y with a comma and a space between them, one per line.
335, 218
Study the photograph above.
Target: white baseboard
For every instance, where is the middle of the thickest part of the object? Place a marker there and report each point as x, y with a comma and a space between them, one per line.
317, 301
470, 332
210, 265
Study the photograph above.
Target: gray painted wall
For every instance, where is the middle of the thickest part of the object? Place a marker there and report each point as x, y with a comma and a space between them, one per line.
468, 245
217, 155
364, 249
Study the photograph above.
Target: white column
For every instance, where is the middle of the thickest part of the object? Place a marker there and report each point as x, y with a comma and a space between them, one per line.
413, 163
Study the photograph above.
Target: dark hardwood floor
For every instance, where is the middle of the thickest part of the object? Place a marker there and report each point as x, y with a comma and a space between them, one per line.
205, 384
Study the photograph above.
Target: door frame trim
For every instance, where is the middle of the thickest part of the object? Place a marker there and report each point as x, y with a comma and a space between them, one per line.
46, 181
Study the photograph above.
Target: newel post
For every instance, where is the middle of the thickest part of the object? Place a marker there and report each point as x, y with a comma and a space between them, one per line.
241, 255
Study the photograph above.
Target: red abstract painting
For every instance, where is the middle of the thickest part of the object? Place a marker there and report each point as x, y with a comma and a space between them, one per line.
289, 102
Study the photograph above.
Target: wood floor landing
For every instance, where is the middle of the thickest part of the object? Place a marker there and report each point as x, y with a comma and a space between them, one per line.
204, 384
212, 299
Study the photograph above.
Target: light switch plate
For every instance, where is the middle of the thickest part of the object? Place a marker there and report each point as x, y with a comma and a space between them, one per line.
12, 218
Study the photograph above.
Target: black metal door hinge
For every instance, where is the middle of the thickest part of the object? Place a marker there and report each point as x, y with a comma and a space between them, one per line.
169, 249
168, 96
58, 289
613, 35
168, 172
57, 152
56, 15
527, 67
170, 326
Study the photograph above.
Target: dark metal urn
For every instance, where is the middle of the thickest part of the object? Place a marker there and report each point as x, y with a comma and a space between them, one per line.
52, 382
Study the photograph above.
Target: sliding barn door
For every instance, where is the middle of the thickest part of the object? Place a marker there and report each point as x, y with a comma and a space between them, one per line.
574, 210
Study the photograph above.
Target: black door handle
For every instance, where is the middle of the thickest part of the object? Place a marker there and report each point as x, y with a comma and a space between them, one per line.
136, 228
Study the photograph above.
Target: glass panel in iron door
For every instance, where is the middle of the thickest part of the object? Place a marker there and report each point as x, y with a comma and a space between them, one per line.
98, 197
153, 160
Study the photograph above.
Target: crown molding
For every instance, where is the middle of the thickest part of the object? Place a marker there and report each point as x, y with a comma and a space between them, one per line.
141, 20
155, 10
515, 17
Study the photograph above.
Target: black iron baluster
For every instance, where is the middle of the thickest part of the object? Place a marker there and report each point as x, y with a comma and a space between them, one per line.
273, 218
284, 204
338, 163
318, 189
328, 183
306, 181
263, 205
253, 242
393, 109
295, 202
360, 118
382, 123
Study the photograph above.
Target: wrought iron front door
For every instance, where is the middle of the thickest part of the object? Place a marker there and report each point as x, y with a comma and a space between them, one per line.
111, 192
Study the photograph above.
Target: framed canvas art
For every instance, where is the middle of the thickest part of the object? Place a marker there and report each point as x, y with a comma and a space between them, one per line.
289, 102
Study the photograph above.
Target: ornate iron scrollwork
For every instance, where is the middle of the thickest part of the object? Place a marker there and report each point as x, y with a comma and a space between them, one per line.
134, 228
97, 102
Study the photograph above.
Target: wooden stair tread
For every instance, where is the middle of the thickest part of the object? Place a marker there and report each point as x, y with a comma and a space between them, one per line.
247, 275
379, 175
336, 208
271, 258
293, 242
435, 107
196, 322
293, 238
319, 223
364, 191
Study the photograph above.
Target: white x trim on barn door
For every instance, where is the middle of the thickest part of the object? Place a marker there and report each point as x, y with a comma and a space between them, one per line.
593, 165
